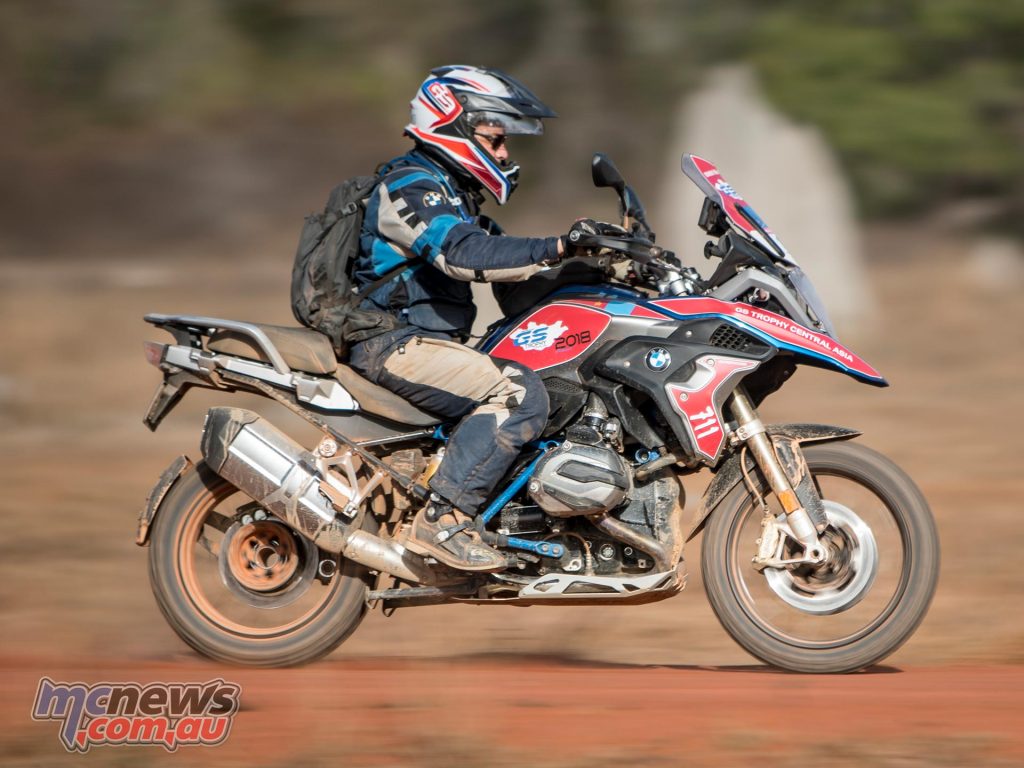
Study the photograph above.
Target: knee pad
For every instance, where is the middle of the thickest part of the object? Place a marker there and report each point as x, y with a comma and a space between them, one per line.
532, 405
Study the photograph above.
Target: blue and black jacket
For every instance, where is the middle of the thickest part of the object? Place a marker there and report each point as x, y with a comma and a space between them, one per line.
418, 215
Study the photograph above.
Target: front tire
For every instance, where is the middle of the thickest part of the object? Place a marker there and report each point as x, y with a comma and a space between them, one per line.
807, 627
227, 603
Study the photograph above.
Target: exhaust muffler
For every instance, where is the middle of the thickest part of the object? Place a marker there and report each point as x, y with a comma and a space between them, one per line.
266, 464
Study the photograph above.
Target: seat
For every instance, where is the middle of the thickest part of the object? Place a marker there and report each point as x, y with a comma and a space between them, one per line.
375, 399
301, 348
310, 351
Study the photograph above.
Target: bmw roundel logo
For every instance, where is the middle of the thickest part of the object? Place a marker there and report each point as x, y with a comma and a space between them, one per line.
658, 359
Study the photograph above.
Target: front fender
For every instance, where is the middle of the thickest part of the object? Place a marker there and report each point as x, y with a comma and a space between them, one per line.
170, 476
729, 474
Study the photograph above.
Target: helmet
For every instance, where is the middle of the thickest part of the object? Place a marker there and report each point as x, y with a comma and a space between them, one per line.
449, 106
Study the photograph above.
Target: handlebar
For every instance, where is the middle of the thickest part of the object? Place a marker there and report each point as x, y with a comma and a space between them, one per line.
672, 276
640, 250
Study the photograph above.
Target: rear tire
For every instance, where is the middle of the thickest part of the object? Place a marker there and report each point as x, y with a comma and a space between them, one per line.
775, 630
211, 618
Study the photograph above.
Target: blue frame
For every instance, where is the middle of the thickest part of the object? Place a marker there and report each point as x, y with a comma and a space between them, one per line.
544, 548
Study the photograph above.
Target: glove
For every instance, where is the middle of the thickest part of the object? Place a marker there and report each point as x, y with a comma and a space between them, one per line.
580, 230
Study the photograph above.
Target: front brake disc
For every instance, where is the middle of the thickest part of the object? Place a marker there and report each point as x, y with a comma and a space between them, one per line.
843, 580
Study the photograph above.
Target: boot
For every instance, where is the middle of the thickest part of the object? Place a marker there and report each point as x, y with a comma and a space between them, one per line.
448, 535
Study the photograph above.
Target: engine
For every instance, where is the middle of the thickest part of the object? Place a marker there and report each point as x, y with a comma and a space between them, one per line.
585, 475
648, 512
585, 496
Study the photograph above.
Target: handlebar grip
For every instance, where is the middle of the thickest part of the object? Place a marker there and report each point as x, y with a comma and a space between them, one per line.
636, 249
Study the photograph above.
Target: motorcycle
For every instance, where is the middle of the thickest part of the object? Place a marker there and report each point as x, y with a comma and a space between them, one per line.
819, 554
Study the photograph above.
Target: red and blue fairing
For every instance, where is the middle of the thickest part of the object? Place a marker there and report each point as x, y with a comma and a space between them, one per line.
576, 318
777, 330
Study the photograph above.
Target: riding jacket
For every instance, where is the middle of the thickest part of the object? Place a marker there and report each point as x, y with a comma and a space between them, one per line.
419, 215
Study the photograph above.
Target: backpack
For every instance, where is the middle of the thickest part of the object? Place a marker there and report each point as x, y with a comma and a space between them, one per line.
322, 292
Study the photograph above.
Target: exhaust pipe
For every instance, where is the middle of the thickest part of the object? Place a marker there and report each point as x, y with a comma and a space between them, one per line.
388, 557
266, 464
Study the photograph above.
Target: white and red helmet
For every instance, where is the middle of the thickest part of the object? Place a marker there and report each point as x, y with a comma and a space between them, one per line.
453, 101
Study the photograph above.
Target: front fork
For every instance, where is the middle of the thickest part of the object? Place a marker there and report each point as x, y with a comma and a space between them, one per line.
751, 432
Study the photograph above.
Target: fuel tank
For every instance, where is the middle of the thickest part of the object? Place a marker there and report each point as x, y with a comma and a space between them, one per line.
556, 337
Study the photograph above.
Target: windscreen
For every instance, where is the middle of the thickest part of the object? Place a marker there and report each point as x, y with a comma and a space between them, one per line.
710, 181
744, 218
805, 288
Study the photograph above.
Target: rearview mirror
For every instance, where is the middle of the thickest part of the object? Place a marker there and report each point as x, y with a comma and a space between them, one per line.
632, 210
605, 173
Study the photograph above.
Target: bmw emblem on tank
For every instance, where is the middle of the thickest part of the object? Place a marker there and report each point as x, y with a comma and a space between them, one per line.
658, 359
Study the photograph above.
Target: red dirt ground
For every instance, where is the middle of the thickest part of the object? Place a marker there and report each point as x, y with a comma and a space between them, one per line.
536, 711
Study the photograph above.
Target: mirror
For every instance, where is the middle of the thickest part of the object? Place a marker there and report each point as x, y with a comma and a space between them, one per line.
605, 173
635, 210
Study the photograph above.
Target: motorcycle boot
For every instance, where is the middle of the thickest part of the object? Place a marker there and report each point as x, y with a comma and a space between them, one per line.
445, 533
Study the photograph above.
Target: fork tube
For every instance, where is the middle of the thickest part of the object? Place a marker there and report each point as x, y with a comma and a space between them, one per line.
752, 431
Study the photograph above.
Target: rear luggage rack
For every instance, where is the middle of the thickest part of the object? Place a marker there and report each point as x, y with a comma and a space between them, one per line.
189, 330
190, 363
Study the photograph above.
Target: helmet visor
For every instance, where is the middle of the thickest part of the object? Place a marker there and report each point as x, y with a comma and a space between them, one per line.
513, 125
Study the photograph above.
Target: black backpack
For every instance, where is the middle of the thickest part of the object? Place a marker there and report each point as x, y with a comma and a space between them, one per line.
323, 295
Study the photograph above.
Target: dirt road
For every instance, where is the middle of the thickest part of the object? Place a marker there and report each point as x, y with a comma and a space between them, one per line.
553, 712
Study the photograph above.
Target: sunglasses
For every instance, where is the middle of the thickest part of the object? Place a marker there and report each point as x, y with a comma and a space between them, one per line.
496, 142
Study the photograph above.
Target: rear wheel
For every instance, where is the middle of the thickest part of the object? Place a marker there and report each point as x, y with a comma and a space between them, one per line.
853, 610
240, 586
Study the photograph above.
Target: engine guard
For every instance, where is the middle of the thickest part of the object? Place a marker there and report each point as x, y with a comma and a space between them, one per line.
730, 474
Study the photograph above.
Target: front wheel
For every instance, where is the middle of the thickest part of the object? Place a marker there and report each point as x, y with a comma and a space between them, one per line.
863, 602
240, 586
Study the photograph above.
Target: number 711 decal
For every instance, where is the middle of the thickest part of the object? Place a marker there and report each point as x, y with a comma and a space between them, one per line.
699, 400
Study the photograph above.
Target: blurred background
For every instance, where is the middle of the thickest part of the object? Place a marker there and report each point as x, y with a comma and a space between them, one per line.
154, 124
160, 157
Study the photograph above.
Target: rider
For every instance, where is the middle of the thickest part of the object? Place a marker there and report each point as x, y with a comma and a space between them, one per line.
426, 211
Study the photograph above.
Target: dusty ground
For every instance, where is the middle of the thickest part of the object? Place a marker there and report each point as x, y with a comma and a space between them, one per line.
546, 711
454, 686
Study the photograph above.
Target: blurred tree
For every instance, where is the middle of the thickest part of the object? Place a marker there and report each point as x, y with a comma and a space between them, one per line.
923, 99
